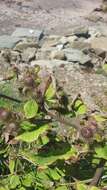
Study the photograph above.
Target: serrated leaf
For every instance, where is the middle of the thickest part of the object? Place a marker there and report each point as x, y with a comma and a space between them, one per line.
28, 180
14, 181
3, 150
44, 180
37, 69
44, 140
50, 92
3, 188
32, 136
11, 166
30, 109
80, 186
94, 188
61, 172
100, 118
79, 107
53, 173
98, 137
42, 175
21, 188
47, 158
26, 125
63, 187
101, 152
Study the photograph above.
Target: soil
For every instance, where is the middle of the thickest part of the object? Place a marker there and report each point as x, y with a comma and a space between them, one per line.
54, 16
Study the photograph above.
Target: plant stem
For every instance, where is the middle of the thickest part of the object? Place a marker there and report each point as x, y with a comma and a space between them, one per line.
9, 98
73, 183
98, 173
74, 122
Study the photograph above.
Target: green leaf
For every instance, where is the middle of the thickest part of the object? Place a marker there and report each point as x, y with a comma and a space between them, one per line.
94, 188
30, 109
42, 175
100, 118
28, 180
61, 172
26, 125
44, 140
32, 136
101, 152
50, 93
22, 188
43, 180
11, 166
79, 107
61, 188
105, 67
44, 159
3, 150
14, 181
53, 173
3, 188
81, 186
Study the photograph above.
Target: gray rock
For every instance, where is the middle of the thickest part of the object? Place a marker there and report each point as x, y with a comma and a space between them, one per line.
27, 32
80, 45
81, 32
72, 38
7, 58
94, 17
50, 63
10, 56
6, 55
25, 44
58, 55
51, 41
98, 30
75, 55
100, 53
92, 87
28, 54
99, 43
44, 53
4, 65
15, 56
63, 40
8, 41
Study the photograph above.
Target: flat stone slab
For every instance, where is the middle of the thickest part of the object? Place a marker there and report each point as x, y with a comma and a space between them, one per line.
80, 45
99, 43
98, 30
27, 32
74, 55
49, 63
81, 31
8, 41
